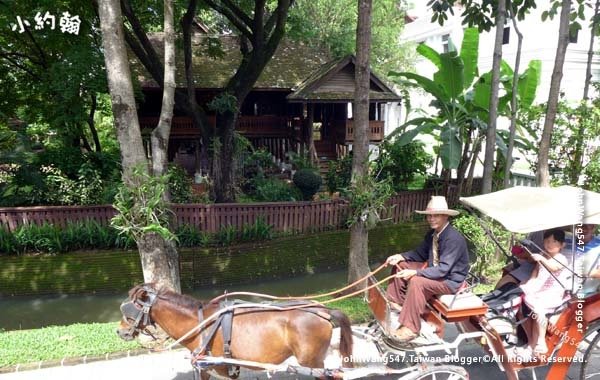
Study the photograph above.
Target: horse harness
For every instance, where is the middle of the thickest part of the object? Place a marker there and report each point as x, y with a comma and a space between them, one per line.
139, 312
225, 322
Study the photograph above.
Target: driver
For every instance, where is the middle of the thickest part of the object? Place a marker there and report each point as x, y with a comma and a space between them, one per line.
437, 266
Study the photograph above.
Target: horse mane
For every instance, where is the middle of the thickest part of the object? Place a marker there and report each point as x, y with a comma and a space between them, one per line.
180, 300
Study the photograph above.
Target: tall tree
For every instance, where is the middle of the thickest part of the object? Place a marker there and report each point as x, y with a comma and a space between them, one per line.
490, 137
332, 25
513, 102
53, 78
358, 261
260, 31
543, 172
590, 54
159, 258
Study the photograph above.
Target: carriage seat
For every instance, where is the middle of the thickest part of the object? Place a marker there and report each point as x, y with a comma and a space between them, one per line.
460, 306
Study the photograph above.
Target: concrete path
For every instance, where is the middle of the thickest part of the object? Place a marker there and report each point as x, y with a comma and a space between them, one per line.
175, 365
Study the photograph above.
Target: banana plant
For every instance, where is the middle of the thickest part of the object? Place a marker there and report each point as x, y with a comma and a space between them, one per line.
449, 87
461, 97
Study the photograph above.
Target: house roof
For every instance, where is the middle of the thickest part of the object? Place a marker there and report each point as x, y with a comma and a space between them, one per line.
292, 63
334, 82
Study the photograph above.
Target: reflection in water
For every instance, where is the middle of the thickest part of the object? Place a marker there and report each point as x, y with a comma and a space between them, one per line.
28, 313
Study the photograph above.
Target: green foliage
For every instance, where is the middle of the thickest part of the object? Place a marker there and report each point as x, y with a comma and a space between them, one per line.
301, 160
258, 163
141, 207
572, 148
461, 98
592, 172
401, 163
75, 236
487, 263
191, 236
339, 174
274, 190
367, 197
226, 235
87, 189
58, 176
224, 102
259, 230
308, 181
332, 25
180, 184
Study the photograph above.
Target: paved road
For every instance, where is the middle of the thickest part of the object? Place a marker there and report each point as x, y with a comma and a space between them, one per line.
175, 365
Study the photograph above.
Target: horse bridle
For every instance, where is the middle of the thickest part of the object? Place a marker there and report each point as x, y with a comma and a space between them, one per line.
139, 312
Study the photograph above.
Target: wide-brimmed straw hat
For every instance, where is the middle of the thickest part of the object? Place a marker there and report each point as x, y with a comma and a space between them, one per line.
438, 205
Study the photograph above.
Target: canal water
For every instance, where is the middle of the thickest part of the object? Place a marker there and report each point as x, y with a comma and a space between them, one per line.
34, 312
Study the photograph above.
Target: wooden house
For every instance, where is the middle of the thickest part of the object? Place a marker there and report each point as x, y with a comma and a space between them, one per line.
301, 90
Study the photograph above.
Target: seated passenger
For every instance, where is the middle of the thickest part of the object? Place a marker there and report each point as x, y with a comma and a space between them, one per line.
445, 252
544, 291
522, 273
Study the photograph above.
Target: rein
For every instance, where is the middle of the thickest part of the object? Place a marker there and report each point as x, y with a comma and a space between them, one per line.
307, 297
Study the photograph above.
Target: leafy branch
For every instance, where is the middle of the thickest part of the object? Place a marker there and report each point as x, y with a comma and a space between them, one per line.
141, 208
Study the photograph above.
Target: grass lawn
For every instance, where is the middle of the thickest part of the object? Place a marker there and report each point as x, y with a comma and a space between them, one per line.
58, 342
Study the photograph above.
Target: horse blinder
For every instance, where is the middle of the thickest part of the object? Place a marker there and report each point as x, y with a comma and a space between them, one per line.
136, 316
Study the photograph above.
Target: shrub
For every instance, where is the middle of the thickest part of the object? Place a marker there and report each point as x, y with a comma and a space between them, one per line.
259, 230
487, 255
308, 181
400, 163
258, 162
301, 161
274, 190
48, 238
180, 184
339, 174
226, 235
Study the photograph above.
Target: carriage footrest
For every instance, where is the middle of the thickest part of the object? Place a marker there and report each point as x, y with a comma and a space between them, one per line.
457, 307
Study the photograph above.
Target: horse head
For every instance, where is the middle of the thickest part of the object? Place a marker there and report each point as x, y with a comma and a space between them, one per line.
135, 312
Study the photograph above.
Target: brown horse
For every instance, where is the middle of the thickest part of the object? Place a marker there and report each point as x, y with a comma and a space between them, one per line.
257, 334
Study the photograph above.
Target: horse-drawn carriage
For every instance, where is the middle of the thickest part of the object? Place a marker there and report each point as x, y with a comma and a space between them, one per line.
261, 336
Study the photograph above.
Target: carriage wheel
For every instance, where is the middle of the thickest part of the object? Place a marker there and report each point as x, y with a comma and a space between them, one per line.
443, 372
590, 368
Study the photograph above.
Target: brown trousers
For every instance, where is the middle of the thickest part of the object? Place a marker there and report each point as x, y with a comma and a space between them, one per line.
413, 294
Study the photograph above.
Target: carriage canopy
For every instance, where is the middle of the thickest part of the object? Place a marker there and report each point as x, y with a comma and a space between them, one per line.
526, 209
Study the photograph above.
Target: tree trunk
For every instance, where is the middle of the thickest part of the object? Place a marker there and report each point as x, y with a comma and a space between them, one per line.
263, 30
490, 140
121, 89
513, 104
468, 190
198, 116
92, 124
225, 187
464, 160
358, 261
310, 136
159, 258
160, 134
590, 54
543, 172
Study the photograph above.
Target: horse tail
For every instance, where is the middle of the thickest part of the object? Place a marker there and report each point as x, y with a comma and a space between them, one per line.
341, 320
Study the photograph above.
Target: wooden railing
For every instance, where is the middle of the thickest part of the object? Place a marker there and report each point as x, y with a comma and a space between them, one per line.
296, 217
346, 127
248, 125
